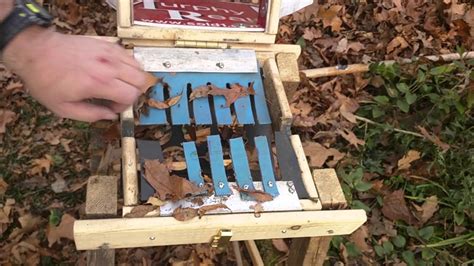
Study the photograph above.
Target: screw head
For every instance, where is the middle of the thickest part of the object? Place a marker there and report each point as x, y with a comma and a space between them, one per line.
283, 231
246, 186
201, 184
152, 238
221, 184
167, 64
270, 183
220, 65
330, 231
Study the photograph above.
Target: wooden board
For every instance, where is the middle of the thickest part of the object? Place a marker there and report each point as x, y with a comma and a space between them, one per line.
289, 72
142, 232
129, 162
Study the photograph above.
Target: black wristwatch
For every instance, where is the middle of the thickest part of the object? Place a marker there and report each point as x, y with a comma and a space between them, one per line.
25, 13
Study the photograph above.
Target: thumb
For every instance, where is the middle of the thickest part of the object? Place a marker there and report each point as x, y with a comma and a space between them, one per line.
87, 112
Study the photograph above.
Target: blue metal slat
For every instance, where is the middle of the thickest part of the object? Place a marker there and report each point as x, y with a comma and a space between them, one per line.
266, 166
240, 163
261, 104
155, 116
179, 111
192, 163
216, 158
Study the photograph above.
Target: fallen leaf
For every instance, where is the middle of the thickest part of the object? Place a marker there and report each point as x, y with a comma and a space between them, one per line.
155, 201
184, 214
359, 239
407, 159
59, 185
350, 137
199, 92
434, 139
163, 105
3, 187
257, 209
140, 211
429, 207
250, 89
231, 95
42, 164
280, 245
150, 81
204, 209
6, 116
168, 187
256, 195
64, 230
397, 42
318, 154
395, 207
330, 17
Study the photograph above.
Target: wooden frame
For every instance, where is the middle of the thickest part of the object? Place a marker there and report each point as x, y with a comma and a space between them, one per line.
134, 33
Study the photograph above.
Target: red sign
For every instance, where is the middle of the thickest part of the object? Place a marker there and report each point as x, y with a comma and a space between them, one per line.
201, 14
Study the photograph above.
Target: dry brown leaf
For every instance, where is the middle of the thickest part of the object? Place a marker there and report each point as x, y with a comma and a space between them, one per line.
42, 164
254, 194
395, 43
3, 187
199, 92
231, 95
174, 100
155, 201
64, 230
330, 17
150, 81
184, 214
359, 239
318, 154
140, 211
429, 207
280, 245
168, 187
157, 104
435, 139
407, 159
204, 209
350, 137
395, 207
250, 89
6, 116
257, 209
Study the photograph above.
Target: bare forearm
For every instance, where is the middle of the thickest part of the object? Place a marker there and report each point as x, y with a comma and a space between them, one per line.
5, 8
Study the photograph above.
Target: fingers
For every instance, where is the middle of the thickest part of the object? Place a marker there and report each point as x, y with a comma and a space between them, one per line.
86, 112
125, 56
117, 91
118, 108
131, 75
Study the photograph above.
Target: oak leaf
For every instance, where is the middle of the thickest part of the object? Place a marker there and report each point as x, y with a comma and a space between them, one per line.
429, 207
330, 17
141, 211
199, 92
318, 154
350, 137
204, 209
254, 194
64, 230
163, 105
395, 207
185, 214
435, 139
150, 81
405, 162
6, 116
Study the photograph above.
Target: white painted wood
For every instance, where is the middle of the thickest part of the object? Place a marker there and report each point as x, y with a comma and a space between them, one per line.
159, 59
142, 232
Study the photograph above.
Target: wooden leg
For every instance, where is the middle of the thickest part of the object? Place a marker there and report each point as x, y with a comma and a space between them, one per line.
101, 202
254, 253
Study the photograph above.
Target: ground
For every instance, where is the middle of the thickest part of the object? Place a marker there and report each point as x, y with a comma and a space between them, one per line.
401, 138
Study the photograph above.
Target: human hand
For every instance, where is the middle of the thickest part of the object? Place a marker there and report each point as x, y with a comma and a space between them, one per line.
64, 72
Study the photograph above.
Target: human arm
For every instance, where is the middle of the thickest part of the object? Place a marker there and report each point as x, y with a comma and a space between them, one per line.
65, 72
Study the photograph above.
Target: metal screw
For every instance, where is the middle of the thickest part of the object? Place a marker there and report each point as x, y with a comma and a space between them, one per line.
221, 184
167, 64
291, 187
220, 65
283, 231
201, 184
246, 186
270, 183
330, 231
152, 238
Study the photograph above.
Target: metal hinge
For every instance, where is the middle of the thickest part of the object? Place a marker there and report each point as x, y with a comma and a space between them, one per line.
221, 239
200, 44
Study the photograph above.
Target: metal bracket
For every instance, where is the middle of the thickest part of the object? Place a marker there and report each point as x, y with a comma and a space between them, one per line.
221, 239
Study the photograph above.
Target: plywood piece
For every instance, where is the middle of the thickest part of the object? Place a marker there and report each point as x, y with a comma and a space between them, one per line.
275, 93
101, 197
289, 72
254, 253
156, 231
330, 191
102, 257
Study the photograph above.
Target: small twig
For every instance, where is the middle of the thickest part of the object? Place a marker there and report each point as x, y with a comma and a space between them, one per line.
360, 118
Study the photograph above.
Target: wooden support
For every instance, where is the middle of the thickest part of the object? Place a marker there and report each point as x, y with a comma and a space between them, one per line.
289, 72
159, 231
361, 68
124, 13
254, 253
280, 111
273, 17
312, 251
101, 202
237, 253
129, 160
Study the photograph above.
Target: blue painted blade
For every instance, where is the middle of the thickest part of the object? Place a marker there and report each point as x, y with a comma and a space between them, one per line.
155, 116
266, 166
261, 105
202, 111
192, 163
219, 177
179, 111
243, 110
240, 163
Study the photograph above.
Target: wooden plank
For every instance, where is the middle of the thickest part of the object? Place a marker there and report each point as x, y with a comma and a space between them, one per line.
157, 33
129, 161
266, 166
192, 163
101, 202
276, 97
237, 253
274, 17
289, 72
330, 192
155, 116
254, 253
124, 13
156, 231
304, 167
219, 176
240, 163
